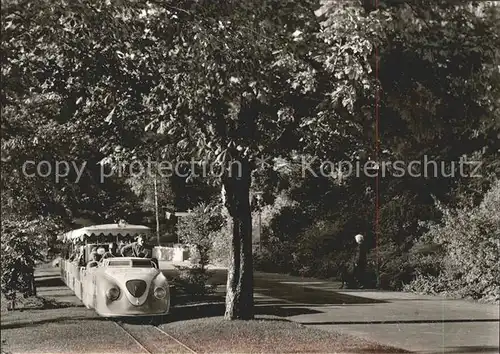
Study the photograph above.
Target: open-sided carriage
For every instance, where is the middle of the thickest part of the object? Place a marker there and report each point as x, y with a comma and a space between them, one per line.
116, 286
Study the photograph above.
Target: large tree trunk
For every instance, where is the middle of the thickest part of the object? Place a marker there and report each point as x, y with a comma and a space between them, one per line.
233, 291
237, 180
239, 296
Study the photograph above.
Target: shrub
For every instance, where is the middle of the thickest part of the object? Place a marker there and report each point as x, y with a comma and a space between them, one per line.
275, 253
275, 256
426, 284
23, 243
465, 262
389, 266
197, 229
324, 249
219, 251
193, 281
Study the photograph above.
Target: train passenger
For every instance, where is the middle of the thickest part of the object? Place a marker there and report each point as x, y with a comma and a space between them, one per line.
112, 251
74, 256
94, 256
119, 247
81, 260
78, 257
137, 249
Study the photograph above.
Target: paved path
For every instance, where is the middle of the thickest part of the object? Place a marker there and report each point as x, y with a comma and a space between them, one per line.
72, 328
426, 324
417, 323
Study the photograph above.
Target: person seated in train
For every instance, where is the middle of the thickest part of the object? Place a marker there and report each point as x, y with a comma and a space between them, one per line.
137, 249
101, 251
94, 256
73, 256
119, 247
81, 260
112, 251
78, 257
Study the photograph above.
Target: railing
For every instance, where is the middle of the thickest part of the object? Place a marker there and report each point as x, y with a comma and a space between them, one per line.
70, 274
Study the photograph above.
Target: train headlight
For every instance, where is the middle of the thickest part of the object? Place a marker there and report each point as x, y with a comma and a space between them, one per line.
113, 293
160, 293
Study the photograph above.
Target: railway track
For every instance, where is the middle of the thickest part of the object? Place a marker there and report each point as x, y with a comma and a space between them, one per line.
152, 339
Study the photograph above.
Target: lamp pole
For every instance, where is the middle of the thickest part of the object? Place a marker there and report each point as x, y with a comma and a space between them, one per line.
156, 211
259, 206
375, 169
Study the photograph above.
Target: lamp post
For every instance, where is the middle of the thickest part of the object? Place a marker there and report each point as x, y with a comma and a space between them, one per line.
155, 183
374, 169
258, 195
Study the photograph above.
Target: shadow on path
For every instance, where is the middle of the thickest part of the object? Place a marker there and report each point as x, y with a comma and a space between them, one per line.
49, 282
301, 294
280, 311
217, 309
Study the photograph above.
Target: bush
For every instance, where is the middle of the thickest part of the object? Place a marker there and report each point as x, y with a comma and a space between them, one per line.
324, 249
197, 229
465, 262
23, 244
389, 266
275, 256
219, 251
193, 281
426, 284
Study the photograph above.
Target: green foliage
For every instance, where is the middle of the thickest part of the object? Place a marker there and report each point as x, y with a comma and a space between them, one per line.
466, 259
144, 187
193, 281
447, 104
24, 243
399, 215
197, 228
444, 121
54, 98
219, 247
270, 211
274, 255
312, 233
223, 81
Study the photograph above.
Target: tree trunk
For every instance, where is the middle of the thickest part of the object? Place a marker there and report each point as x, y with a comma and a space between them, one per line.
233, 291
237, 180
239, 295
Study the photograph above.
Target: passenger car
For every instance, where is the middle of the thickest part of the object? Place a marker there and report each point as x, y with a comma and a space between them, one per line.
116, 286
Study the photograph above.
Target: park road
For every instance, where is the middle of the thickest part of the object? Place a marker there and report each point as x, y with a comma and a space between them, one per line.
426, 324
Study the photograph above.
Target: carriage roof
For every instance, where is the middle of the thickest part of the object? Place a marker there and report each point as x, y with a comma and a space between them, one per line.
104, 232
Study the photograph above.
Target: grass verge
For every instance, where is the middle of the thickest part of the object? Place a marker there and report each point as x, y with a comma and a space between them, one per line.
33, 303
266, 334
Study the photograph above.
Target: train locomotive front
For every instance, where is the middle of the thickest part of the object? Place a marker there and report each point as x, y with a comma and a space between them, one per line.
129, 287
